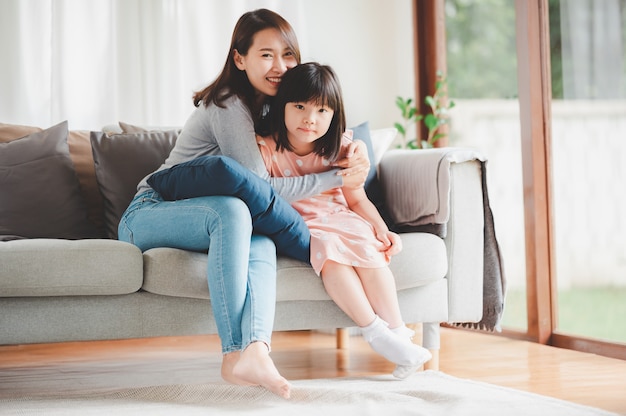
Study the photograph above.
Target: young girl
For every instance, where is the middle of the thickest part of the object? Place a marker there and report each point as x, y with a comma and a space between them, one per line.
241, 267
350, 243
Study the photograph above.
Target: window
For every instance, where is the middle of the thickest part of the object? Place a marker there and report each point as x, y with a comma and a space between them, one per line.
562, 165
588, 77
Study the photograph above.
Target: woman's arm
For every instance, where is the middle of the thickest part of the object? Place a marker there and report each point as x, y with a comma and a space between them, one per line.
355, 162
233, 130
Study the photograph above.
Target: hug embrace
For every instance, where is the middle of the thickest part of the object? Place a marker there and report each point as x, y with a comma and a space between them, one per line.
267, 133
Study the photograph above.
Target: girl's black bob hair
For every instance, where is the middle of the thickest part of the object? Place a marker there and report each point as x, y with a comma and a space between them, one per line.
304, 83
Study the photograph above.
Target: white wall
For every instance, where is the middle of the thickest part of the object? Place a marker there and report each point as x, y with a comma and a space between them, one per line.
98, 76
370, 45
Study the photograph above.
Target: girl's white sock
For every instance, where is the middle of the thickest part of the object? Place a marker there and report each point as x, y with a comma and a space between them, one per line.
404, 371
397, 349
404, 331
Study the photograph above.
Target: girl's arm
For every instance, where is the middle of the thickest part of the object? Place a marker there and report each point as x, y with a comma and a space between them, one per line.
359, 203
233, 129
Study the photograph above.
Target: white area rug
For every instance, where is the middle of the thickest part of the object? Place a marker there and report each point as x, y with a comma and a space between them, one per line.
429, 393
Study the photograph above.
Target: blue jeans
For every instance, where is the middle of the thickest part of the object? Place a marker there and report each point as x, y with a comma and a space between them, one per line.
241, 270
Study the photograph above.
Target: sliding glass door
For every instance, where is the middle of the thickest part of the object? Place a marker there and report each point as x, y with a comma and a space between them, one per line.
540, 87
588, 77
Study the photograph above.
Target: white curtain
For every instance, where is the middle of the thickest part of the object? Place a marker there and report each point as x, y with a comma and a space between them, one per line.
97, 62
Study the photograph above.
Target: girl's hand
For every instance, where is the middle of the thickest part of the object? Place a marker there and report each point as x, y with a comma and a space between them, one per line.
392, 242
355, 165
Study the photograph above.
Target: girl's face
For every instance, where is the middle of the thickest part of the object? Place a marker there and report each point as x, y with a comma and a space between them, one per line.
305, 123
266, 61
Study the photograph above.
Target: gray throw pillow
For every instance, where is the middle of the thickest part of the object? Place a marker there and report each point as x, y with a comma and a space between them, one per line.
121, 161
39, 190
372, 185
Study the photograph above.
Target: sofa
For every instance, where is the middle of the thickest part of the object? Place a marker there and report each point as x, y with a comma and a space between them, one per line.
65, 277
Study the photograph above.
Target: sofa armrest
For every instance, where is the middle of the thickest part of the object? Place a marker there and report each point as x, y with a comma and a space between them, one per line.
427, 190
464, 241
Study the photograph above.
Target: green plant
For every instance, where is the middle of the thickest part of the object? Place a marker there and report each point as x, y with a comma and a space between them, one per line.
438, 116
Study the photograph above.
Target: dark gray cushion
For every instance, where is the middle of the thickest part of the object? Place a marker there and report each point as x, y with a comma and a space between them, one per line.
39, 190
121, 161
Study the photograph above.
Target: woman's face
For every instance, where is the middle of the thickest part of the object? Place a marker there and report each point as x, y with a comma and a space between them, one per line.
267, 60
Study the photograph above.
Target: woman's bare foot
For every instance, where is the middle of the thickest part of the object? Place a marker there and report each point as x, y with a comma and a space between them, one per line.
228, 363
255, 367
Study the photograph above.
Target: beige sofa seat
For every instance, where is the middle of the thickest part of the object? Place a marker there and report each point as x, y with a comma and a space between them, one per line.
174, 272
53, 267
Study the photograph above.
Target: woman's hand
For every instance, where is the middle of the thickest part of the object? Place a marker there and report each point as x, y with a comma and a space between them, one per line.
355, 165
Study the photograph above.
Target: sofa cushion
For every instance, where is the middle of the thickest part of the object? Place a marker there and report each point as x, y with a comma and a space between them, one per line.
132, 128
221, 175
372, 185
297, 281
381, 140
82, 157
50, 267
41, 195
174, 272
10, 132
121, 161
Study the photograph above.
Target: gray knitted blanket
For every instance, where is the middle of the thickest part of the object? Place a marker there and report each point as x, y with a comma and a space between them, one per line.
494, 281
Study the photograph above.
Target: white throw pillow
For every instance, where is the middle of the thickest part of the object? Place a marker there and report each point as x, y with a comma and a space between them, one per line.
381, 140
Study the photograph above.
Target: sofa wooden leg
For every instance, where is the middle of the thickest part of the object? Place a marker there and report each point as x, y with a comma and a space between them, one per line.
343, 338
433, 364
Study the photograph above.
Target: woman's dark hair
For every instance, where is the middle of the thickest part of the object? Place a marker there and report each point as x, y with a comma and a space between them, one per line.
319, 84
231, 80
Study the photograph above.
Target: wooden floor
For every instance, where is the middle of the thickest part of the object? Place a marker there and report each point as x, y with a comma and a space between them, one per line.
73, 367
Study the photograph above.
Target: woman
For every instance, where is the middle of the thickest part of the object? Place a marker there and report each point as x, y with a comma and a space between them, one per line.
242, 286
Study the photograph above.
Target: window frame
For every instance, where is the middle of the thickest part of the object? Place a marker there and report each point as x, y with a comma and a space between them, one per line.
534, 89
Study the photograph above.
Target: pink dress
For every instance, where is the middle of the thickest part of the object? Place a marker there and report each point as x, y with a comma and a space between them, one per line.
337, 233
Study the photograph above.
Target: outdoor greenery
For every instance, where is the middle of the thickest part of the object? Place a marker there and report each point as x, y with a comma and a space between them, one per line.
439, 106
481, 49
592, 312
556, 61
